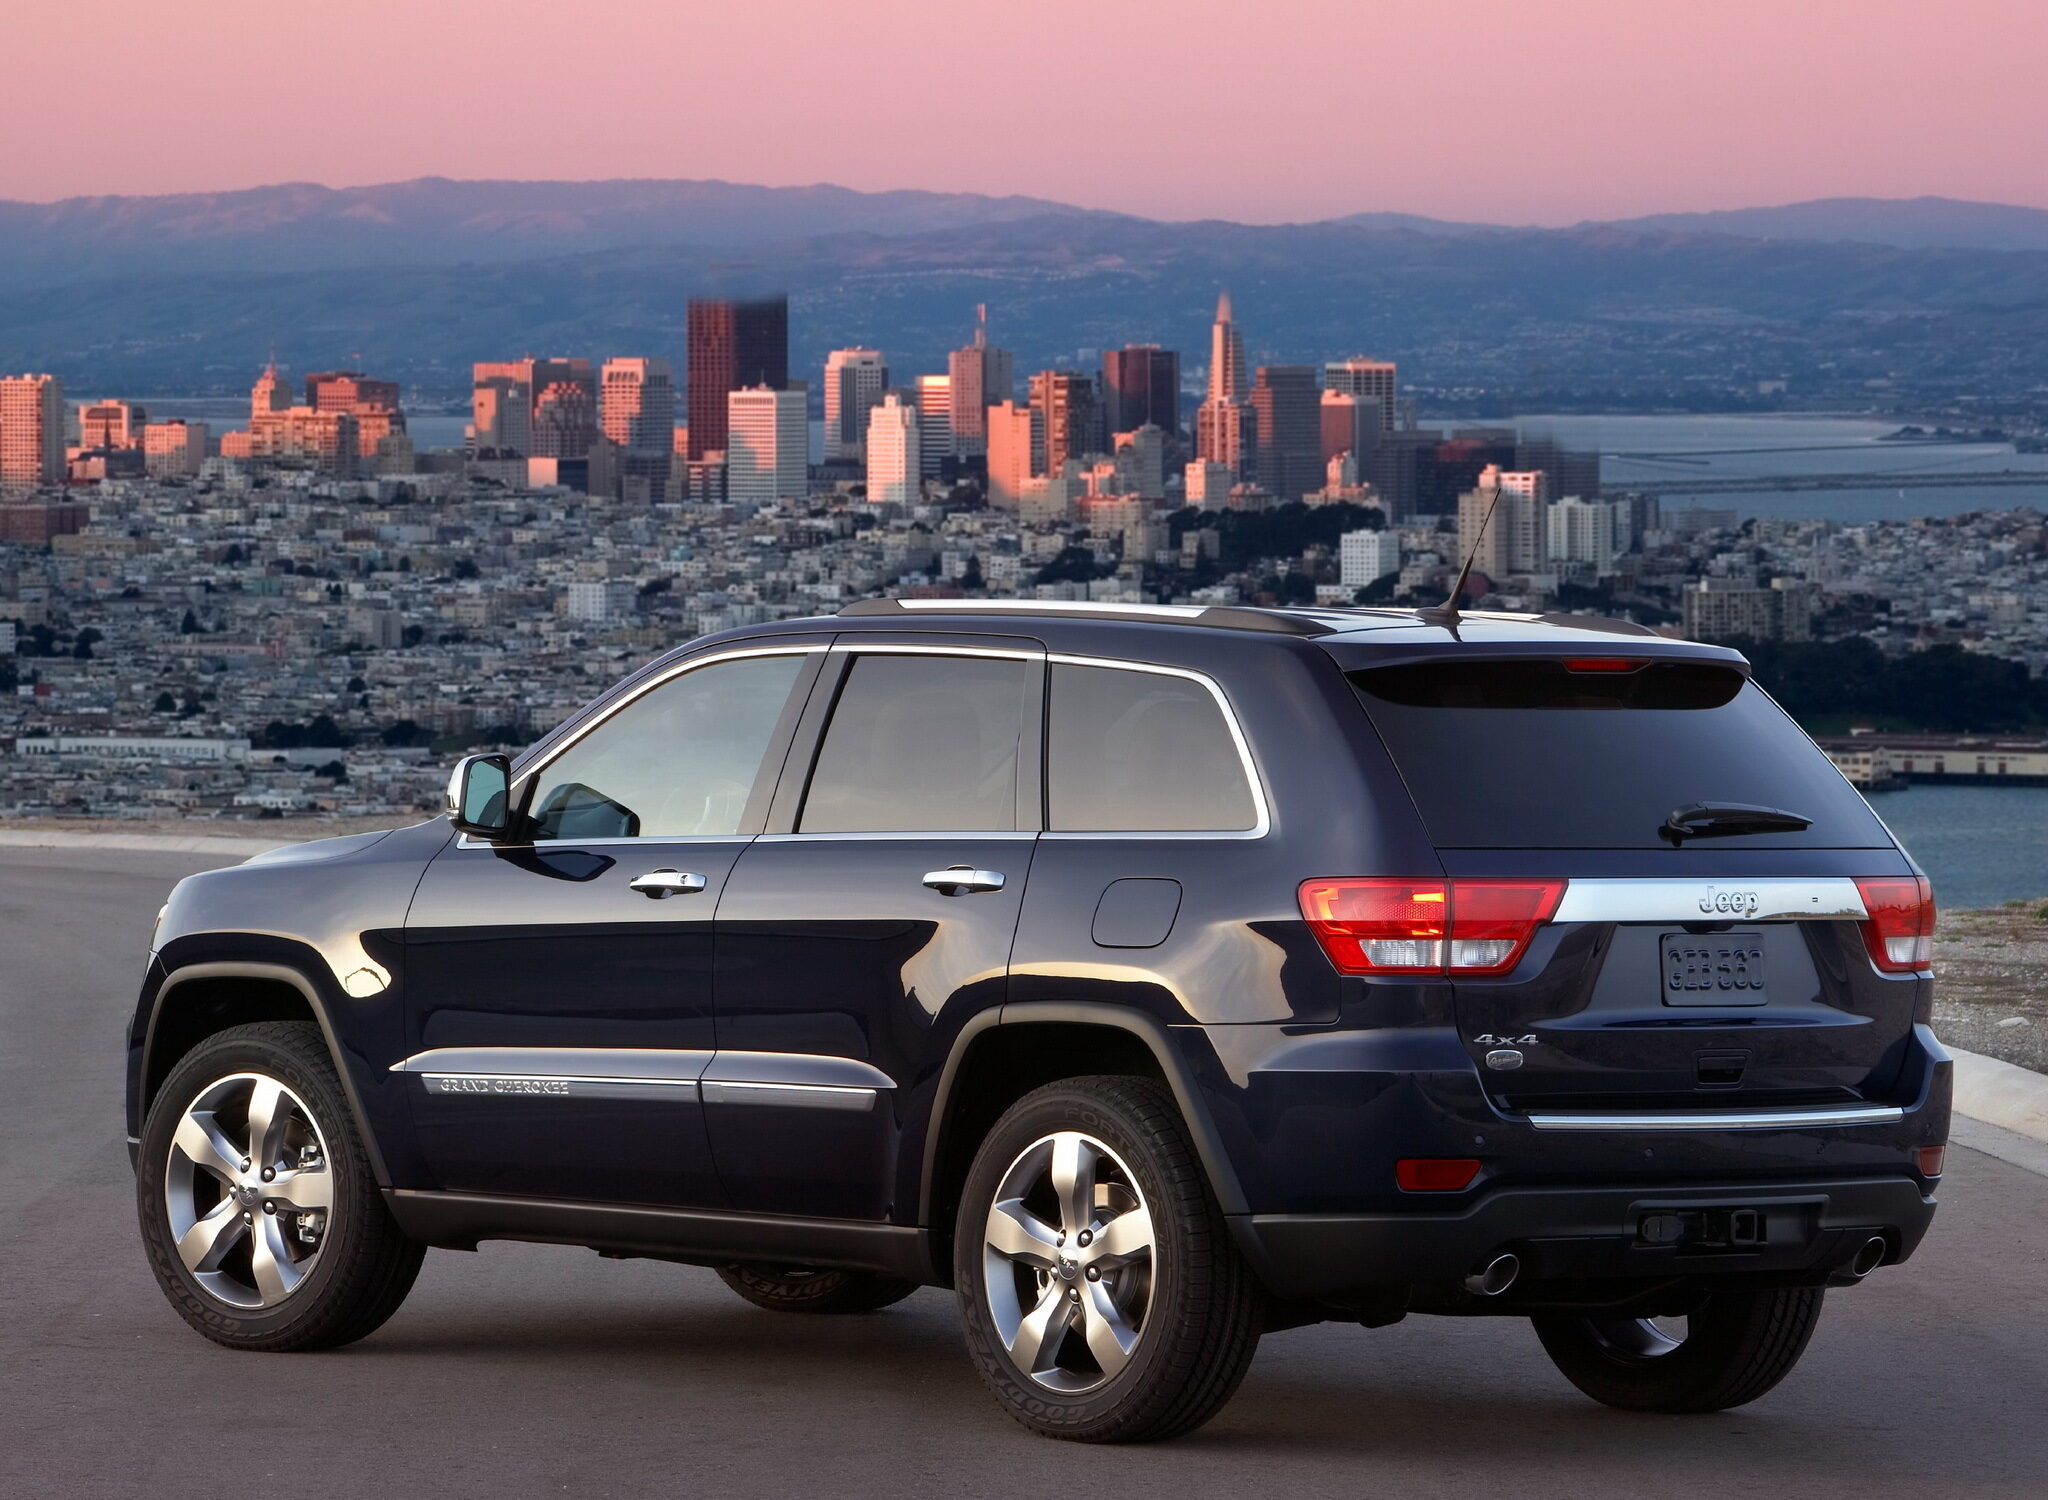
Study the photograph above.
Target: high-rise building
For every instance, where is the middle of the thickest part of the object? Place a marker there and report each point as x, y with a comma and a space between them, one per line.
1365, 557
1012, 439
1141, 461
373, 403
505, 393
272, 392
1226, 355
1289, 411
1516, 540
1141, 384
983, 376
1593, 532
638, 404
1351, 424
1371, 379
175, 449
31, 431
1208, 484
893, 439
111, 424
1572, 471
768, 443
1226, 433
854, 382
733, 346
1070, 415
564, 420
935, 421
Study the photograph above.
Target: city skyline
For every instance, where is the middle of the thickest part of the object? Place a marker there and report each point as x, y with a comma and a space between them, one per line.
1772, 103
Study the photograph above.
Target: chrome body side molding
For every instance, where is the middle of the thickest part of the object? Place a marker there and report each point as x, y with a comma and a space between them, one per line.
806, 1080
1723, 1119
1771, 899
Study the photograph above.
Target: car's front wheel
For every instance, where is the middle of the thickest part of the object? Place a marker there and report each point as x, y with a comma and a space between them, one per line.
1102, 1296
1729, 1350
260, 1213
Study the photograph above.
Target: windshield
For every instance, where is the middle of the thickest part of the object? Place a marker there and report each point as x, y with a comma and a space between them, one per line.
1530, 754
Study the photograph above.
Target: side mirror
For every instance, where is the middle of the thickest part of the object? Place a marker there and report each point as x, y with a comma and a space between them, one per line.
480, 796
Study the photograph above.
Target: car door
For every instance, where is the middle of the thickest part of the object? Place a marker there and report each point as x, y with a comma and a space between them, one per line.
559, 991
857, 935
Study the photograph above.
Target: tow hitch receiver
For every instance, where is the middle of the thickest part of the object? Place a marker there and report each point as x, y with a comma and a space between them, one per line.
1704, 1229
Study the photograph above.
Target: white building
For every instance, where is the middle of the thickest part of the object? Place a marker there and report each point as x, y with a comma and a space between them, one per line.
1365, 557
1587, 531
894, 447
854, 382
1515, 540
600, 600
134, 746
1208, 484
768, 444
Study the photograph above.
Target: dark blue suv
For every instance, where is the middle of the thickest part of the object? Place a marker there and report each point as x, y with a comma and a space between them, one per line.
1154, 977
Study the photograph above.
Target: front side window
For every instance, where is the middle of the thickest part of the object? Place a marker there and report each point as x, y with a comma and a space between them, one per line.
679, 761
918, 744
1141, 752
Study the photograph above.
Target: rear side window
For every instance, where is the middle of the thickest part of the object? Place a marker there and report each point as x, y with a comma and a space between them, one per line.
1532, 755
920, 744
1140, 752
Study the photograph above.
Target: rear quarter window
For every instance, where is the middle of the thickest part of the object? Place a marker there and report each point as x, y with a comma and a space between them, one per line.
1529, 754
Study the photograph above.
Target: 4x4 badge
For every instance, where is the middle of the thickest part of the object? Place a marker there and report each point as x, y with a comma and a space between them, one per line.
1488, 1039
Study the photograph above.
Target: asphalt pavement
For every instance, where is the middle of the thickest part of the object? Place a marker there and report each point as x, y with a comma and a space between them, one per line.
539, 1370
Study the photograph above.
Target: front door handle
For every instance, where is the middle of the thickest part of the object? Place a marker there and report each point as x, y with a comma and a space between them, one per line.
959, 880
656, 884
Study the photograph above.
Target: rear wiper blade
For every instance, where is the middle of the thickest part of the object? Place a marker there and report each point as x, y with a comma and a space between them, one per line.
1719, 820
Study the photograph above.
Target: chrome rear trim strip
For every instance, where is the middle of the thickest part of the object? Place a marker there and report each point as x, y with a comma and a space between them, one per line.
1772, 899
1725, 1119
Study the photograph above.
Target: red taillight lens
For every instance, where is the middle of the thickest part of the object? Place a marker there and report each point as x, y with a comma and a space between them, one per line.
1900, 932
1435, 1174
1379, 926
1427, 926
1930, 1159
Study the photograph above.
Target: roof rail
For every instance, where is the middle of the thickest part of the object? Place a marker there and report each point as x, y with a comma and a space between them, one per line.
1221, 616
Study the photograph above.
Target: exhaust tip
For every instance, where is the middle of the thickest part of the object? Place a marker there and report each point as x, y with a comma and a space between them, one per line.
1497, 1275
1869, 1256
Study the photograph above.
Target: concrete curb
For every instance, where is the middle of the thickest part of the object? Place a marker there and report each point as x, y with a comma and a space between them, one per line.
165, 843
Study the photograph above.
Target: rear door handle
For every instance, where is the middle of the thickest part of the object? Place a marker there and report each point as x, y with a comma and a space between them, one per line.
656, 884
959, 880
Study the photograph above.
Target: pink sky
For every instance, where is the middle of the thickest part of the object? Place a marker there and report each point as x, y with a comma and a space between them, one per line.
1541, 111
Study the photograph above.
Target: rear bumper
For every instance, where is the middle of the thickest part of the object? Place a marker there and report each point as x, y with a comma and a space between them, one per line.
1586, 1233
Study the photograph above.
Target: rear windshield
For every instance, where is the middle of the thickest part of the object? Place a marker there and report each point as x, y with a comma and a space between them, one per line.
1529, 754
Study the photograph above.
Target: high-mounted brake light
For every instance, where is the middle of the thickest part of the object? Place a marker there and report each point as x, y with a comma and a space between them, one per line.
1470, 927
1900, 932
1601, 664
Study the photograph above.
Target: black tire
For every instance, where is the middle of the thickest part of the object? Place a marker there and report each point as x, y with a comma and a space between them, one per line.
1201, 1307
362, 1267
810, 1289
1738, 1344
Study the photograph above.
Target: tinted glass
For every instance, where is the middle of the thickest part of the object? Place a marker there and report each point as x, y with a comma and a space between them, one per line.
1529, 755
1137, 752
920, 743
681, 760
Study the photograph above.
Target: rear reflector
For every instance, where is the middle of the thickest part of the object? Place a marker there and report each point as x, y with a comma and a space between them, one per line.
1379, 926
1900, 932
1435, 1174
1929, 1159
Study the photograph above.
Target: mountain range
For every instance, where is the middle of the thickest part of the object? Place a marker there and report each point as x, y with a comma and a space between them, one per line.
188, 292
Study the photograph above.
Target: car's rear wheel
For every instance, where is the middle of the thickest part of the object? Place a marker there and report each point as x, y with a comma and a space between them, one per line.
814, 1289
1730, 1349
1102, 1296
259, 1211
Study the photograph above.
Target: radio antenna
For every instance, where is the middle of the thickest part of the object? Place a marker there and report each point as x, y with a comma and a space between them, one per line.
1446, 614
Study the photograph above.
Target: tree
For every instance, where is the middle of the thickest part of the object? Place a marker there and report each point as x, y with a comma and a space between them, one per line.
970, 576
234, 557
356, 685
87, 639
333, 771
412, 635
466, 568
166, 704
190, 624
1073, 565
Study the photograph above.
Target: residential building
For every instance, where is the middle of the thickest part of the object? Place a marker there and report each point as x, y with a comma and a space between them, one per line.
767, 457
1365, 557
1288, 408
1721, 609
854, 382
1208, 484
1593, 532
734, 345
1516, 539
893, 441
31, 431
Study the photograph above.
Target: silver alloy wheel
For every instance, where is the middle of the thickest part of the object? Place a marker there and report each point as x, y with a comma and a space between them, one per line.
1068, 1262
247, 1190
1640, 1338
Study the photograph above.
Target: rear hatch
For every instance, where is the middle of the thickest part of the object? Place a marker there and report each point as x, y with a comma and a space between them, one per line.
1662, 894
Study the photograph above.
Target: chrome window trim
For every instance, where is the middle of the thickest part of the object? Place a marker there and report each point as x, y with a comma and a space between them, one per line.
1677, 899
1262, 823
929, 834
1724, 1119
554, 752
877, 646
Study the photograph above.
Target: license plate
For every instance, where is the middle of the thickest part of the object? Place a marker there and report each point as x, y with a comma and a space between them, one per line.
1724, 968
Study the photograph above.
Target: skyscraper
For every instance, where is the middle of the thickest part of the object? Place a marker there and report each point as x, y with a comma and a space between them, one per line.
892, 451
1070, 415
1225, 434
1012, 439
1351, 424
1370, 379
638, 404
733, 346
31, 431
564, 420
505, 393
935, 421
1517, 539
768, 443
854, 382
1289, 410
983, 376
1141, 384
1226, 355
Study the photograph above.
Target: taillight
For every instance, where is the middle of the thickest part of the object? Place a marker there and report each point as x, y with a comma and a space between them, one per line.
1475, 927
1900, 931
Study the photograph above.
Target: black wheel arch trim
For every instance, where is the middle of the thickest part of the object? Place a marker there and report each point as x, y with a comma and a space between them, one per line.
1173, 1066
316, 1002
